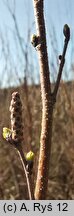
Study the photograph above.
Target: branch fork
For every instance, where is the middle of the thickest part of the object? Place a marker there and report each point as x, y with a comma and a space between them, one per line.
48, 97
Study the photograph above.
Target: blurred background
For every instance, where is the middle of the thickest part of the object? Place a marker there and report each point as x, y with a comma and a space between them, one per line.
19, 71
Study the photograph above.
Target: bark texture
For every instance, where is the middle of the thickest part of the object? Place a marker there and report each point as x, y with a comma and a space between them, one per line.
47, 105
48, 98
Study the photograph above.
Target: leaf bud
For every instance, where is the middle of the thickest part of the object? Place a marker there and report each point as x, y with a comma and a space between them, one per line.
66, 31
34, 40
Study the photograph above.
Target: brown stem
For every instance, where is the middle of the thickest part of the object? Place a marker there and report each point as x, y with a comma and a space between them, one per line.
28, 176
42, 47
47, 111
44, 157
62, 62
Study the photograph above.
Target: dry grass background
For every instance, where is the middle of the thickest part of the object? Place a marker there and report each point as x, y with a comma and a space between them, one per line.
61, 173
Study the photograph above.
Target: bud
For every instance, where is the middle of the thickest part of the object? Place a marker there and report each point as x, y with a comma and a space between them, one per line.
34, 40
30, 156
60, 57
30, 161
6, 133
66, 31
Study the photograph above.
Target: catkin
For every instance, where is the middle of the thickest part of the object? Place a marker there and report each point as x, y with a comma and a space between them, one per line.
16, 119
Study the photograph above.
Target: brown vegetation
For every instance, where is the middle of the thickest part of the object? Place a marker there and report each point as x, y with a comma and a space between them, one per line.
61, 173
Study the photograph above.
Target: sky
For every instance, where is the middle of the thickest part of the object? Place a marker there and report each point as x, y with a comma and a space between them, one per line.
57, 13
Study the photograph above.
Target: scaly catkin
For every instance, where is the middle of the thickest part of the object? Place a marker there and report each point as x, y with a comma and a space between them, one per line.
16, 119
